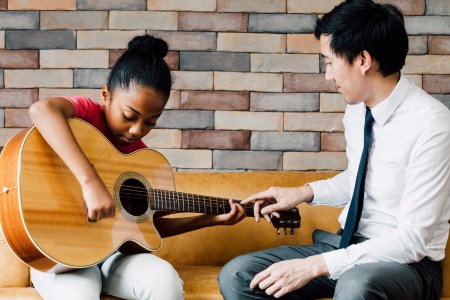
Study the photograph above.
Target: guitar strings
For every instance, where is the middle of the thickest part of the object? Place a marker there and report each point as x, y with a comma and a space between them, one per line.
171, 199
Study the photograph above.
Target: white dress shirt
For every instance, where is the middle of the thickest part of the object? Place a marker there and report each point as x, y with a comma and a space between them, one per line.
407, 192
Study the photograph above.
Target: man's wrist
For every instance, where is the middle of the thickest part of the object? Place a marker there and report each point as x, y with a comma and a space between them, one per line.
318, 266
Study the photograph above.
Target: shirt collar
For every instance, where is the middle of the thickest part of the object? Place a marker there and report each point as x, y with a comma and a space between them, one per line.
383, 111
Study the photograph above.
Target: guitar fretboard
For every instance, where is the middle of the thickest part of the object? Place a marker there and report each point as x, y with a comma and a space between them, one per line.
186, 202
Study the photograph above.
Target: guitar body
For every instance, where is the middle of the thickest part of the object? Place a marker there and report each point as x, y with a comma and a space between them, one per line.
42, 212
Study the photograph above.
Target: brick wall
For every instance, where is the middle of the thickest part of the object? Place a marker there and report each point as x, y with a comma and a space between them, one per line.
249, 90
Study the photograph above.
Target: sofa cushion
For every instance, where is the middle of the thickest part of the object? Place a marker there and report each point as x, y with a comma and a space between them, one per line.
14, 273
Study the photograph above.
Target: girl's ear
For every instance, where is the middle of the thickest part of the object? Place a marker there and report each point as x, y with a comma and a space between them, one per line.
105, 95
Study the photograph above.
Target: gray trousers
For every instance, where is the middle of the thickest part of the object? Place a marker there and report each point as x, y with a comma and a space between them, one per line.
384, 280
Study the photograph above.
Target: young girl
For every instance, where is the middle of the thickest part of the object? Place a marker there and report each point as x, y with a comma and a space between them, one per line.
134, 97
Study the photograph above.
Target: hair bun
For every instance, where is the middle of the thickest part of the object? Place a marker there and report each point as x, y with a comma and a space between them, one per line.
148, 43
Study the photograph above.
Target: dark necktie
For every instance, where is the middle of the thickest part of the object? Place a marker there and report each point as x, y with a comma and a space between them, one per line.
356, 205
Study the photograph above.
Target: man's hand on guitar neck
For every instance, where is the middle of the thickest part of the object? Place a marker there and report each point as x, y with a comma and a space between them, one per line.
275, 199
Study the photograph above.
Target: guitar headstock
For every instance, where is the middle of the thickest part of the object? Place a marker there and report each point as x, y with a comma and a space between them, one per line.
288, 219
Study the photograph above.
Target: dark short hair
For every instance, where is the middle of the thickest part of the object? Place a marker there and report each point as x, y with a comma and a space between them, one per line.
142, 64
357, 25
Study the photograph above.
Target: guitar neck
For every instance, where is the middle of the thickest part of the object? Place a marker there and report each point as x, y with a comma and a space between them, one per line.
186, 202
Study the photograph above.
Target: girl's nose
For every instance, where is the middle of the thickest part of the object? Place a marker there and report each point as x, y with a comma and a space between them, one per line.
135, 130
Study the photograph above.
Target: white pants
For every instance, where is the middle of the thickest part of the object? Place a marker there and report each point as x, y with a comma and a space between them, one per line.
139, 276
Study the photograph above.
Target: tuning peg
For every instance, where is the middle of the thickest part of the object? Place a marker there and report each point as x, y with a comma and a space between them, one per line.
291, 231
285, 231
278, 230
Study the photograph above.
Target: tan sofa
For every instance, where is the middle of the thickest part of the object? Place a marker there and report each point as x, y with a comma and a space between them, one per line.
199, 255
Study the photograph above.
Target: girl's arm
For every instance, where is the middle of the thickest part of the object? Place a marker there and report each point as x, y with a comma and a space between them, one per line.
50, 118
173, 226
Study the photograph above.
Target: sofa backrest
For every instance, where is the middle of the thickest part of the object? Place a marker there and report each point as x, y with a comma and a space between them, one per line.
217, 245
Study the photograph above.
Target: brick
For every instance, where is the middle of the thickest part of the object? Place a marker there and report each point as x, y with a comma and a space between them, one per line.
444, 98
251, 42
235, 81
285, 141
112, 5
76, 20
114, 55
439, 45
188, 41
2, 118
330, 102
214, 61
188, 159
417, 45
105, 39
308, 6
126, 20
185, 80
282, 23
214, 100
90, 78
3, 4
436, 83
172, 58
276, 63
332, 142
163, 138
408, 7
322, 64
427, 64
42, 5
1, 79
417, 79
19, 59
426, 25
302, 43
186, 119
438, 7
284, 102
262, 6
174, 100
93, 94
19, 20
18, 98
38, 78
308, 161
2, 39
247, 160
17, 117
216, 139
74, 59
37, 39
240, 120
176, 5
218, 22
7, 133
330, 122
307, 83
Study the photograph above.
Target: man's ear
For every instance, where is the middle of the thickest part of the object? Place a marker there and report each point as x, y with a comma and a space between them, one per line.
105, 95
365, 61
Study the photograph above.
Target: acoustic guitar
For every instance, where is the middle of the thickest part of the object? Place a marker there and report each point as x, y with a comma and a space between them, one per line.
42, 212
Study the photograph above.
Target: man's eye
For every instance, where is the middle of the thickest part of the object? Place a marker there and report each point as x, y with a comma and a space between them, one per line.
127, 118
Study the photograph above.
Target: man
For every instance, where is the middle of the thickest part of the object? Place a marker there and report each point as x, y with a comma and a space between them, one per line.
396, 185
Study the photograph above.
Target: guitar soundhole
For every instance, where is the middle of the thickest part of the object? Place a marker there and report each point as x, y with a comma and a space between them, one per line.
134, 197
